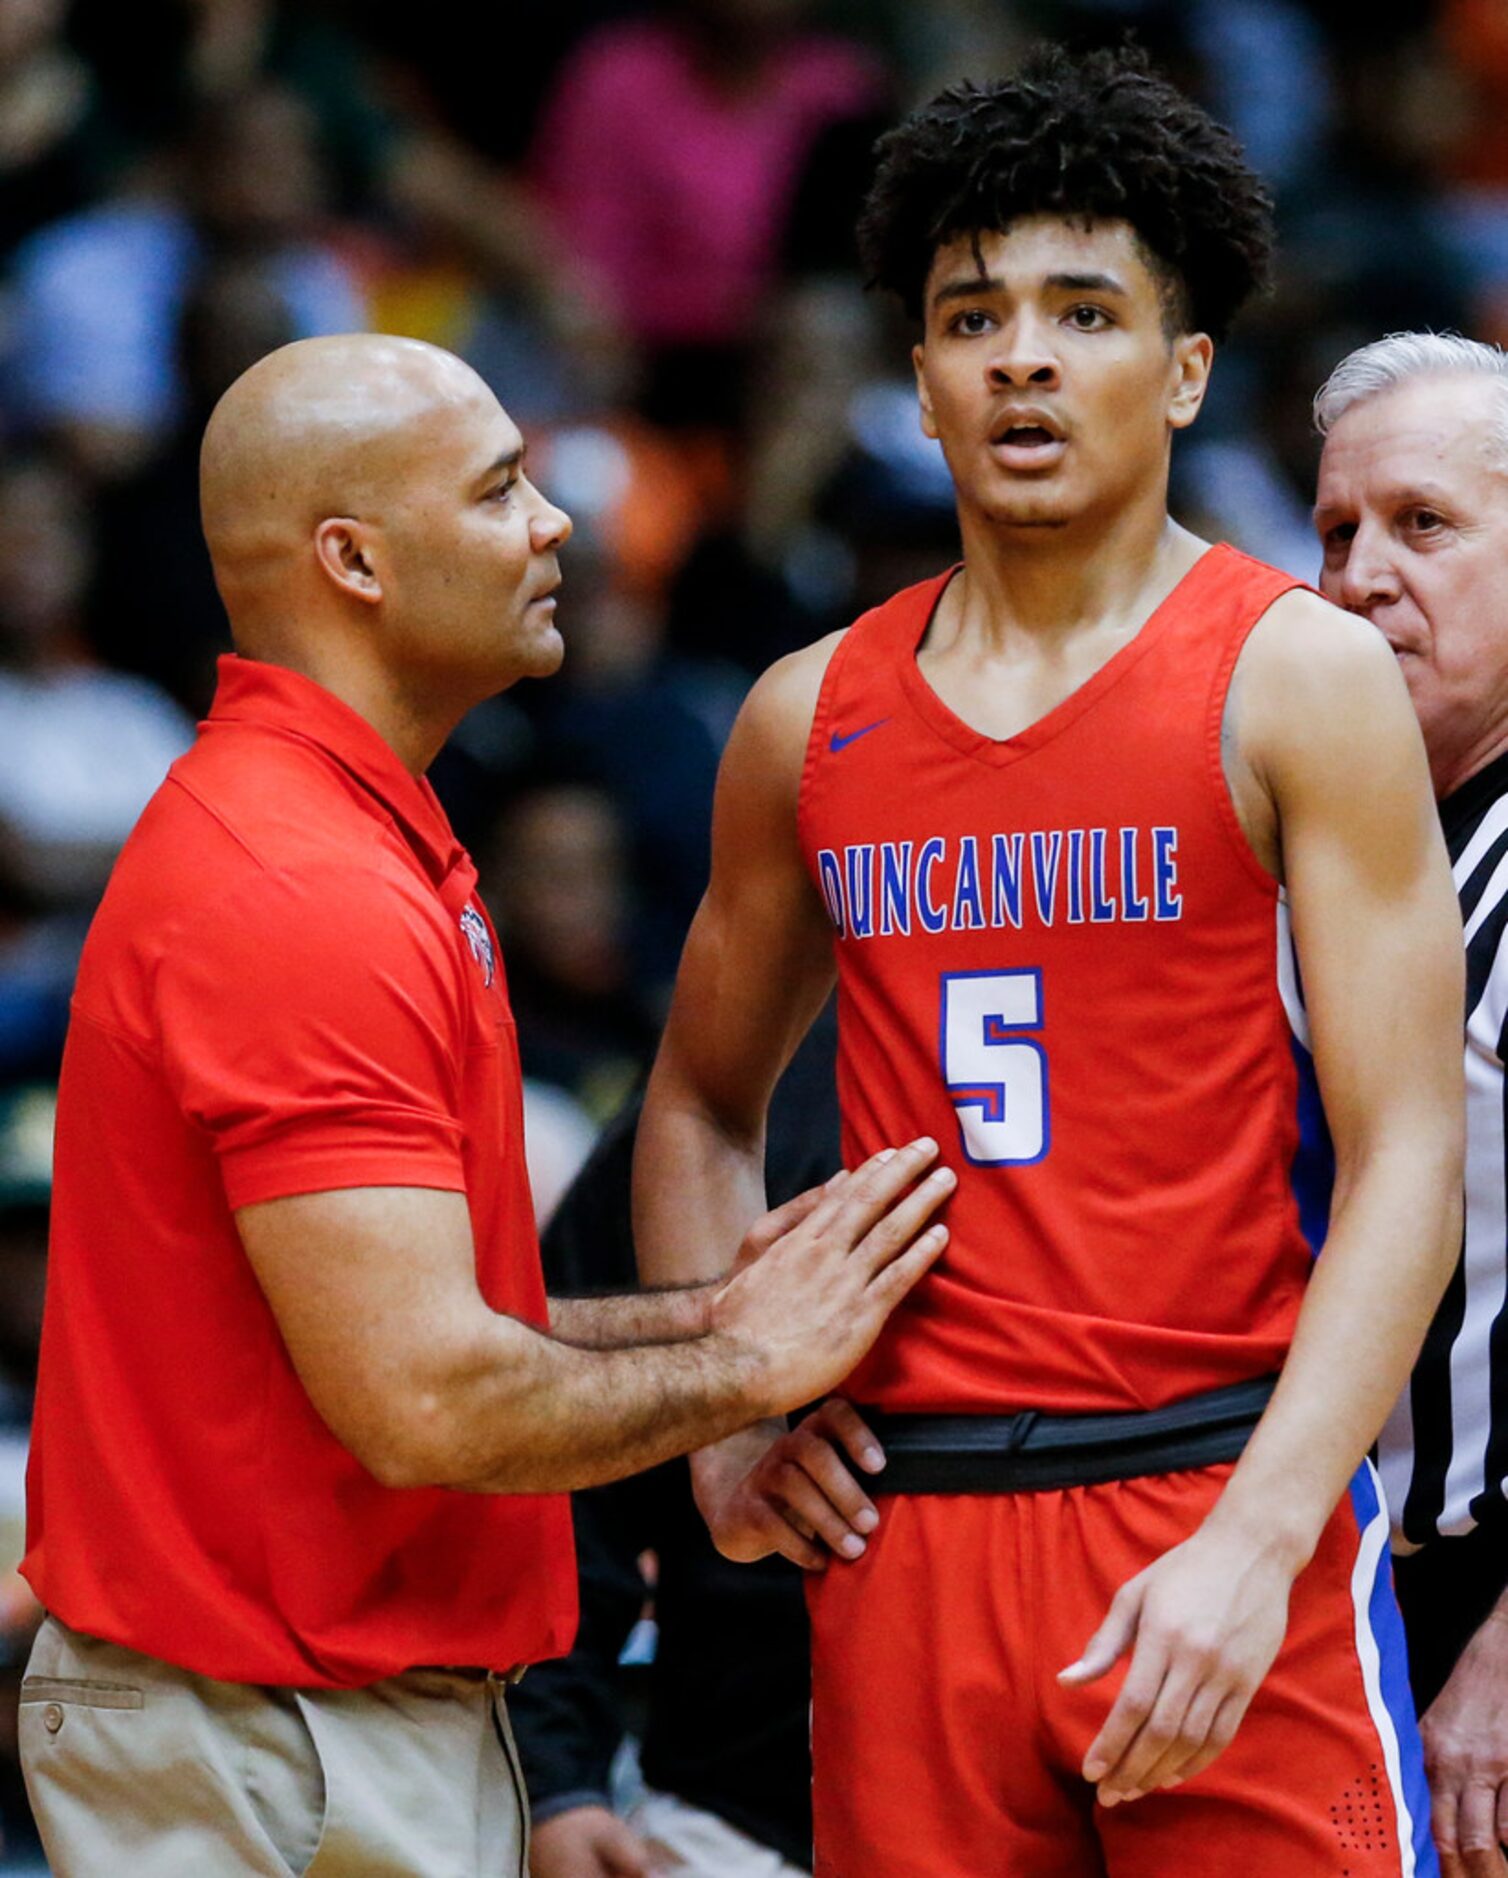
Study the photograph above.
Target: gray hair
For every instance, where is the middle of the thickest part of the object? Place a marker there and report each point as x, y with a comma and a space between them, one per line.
1386, 363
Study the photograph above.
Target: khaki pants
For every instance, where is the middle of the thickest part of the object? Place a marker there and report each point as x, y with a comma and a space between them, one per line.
139, 1770
700, 1845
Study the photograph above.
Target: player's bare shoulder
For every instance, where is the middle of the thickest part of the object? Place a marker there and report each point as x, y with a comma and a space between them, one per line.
1311, 676
1311, 686
767, 748
1317, 712
1308, 642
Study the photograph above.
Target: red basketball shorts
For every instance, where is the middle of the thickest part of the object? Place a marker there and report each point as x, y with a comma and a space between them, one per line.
944, 1747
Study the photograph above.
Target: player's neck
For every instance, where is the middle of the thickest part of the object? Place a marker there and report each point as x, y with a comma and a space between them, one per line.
1053, 584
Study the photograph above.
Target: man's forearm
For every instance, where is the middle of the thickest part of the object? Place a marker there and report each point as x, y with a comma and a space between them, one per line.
494, 1405
689, 1169
1390, 1251
605, 1323
627, 1409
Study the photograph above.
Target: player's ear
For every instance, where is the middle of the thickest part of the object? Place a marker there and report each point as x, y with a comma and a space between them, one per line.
343, 551
923, 395
1193, 355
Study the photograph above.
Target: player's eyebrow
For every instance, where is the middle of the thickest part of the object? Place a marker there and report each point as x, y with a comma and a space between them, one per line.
968, 287
1088, 283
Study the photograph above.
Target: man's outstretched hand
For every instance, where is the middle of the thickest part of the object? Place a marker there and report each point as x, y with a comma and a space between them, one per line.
815, 1280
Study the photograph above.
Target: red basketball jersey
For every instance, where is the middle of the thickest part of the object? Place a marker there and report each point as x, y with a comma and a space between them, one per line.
1058, 954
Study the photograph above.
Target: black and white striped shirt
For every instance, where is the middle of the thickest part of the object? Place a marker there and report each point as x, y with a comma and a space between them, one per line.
1444, 1451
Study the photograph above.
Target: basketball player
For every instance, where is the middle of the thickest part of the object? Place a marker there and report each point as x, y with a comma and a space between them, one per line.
1127, 1607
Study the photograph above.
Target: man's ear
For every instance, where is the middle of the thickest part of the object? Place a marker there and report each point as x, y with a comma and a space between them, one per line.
343, 550
1193, 356
923, 396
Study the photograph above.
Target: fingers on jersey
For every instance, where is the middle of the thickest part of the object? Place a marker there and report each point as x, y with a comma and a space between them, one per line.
841, 1421
809, 1308
875, 1213
811, 1481
804, 1484
775, 1225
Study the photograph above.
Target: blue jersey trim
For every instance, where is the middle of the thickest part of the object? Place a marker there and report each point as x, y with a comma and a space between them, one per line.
1312, 1174
1386, 1626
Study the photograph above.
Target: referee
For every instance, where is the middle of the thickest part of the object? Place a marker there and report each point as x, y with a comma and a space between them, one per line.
1412, 514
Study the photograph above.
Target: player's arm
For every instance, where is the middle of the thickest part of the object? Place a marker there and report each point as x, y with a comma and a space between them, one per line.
375, 1295
756, 969
590, 1257
1339, 792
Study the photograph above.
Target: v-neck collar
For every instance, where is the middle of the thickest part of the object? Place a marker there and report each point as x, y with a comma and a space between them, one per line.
1002, 750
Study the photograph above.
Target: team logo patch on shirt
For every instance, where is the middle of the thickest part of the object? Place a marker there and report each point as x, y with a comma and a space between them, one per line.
479, 939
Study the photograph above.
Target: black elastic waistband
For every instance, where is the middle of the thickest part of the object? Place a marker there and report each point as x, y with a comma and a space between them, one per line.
1034, 1453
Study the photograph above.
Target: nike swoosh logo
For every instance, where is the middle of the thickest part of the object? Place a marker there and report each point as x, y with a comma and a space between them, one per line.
837, 743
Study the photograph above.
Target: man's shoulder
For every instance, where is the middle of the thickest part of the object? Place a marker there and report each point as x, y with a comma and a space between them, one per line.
282, 798
227, 859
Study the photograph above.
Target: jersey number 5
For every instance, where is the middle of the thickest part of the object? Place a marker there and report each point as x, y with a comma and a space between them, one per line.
996, 1077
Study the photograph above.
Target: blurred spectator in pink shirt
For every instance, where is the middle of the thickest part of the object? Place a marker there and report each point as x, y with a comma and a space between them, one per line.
670, 150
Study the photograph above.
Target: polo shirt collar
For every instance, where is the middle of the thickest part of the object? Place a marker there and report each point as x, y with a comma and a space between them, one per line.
250, 691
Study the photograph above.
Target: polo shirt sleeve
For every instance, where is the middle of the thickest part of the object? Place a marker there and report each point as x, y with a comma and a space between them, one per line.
316, 1033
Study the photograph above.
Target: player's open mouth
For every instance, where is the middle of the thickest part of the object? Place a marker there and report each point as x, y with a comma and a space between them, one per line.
1024, 445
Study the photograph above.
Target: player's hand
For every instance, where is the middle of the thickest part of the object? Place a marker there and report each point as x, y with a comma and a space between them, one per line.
790, 1492
815, 1281
1465, 1731
1203, 1624
589, 1842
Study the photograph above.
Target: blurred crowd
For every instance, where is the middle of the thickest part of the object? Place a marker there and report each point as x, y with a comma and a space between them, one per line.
635, 220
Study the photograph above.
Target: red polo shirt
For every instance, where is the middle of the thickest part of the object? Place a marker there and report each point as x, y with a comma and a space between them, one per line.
290, 987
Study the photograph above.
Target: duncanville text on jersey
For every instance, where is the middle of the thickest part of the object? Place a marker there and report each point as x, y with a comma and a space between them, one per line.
1076, 876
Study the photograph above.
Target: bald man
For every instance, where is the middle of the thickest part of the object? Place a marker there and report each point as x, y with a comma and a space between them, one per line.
304, 1414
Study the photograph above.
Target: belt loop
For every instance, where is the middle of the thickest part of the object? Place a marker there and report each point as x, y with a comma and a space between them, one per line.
1019, 1432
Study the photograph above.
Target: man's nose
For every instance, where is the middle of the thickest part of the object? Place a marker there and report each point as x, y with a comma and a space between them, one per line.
549, 527
1024, 355
1369, 576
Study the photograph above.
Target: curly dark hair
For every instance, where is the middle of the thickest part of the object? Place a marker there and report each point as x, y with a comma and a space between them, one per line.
1100, 136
